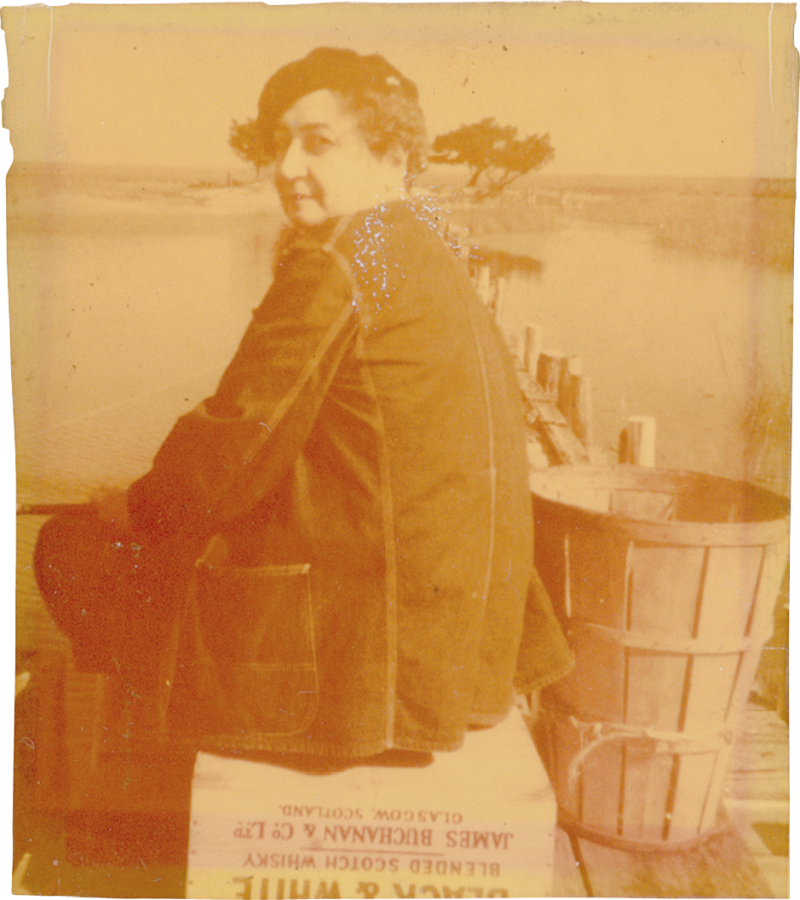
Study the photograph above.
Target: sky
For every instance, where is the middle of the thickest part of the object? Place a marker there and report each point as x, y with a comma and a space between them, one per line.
622, 89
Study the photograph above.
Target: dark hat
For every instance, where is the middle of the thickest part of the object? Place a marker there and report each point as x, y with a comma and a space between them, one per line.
328, 68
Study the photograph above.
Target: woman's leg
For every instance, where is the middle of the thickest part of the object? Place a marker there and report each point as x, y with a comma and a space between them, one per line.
116, 600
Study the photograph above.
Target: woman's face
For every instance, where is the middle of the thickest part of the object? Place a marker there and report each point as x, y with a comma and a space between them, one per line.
324, 168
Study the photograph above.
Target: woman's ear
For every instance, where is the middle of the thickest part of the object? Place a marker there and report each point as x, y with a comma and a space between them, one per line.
397, 157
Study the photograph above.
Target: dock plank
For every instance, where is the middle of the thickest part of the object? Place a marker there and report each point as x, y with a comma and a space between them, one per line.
747, 857
721, 866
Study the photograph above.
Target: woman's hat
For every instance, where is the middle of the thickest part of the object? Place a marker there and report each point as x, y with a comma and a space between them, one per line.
328, 68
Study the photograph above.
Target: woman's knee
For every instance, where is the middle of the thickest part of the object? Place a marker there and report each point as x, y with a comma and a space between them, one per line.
66, 552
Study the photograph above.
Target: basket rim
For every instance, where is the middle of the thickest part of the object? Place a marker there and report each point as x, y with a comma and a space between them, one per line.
769, 528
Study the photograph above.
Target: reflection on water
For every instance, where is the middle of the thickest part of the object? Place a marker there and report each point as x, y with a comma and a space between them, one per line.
121, 323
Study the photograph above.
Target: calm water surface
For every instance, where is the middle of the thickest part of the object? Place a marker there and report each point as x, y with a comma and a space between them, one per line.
120, 325
702, 343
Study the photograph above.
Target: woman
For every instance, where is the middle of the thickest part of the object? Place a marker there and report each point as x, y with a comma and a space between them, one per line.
355, 492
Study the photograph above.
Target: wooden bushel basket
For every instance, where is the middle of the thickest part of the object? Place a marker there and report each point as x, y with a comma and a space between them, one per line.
665, 583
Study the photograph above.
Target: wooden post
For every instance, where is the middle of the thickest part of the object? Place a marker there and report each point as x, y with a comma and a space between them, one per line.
533, 347
638, 441
574, 399
512, 342
550, 370
569, 373
585, 410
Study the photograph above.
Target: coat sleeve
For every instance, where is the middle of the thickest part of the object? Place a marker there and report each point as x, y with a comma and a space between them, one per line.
227, 454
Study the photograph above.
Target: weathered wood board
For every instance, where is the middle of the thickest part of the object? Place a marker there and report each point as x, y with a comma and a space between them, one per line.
476, 823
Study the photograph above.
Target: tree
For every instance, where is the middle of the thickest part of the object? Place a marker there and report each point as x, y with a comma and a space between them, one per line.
494, 151
244, 140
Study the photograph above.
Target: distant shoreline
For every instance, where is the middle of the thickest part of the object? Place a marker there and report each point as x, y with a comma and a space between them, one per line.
439, 175
747, 218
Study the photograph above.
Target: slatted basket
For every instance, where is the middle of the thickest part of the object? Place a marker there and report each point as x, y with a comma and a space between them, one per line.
665, 583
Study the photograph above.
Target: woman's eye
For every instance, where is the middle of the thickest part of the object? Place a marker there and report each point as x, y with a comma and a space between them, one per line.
316, 144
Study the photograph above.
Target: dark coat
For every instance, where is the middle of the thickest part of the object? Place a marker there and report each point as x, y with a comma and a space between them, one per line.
362, 471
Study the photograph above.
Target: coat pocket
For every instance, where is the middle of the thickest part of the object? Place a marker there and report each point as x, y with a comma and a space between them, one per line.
256, 634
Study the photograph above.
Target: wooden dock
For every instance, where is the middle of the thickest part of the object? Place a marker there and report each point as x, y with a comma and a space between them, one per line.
61, 849
748, 853
56, 712
748, 857
97, 853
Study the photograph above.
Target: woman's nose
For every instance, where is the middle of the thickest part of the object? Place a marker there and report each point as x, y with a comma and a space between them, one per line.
292, 164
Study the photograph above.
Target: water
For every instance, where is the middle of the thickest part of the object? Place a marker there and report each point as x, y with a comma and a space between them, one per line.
124, 315
119, 325
700, 342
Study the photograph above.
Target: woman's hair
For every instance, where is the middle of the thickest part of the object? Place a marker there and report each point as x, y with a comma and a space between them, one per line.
384, 102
